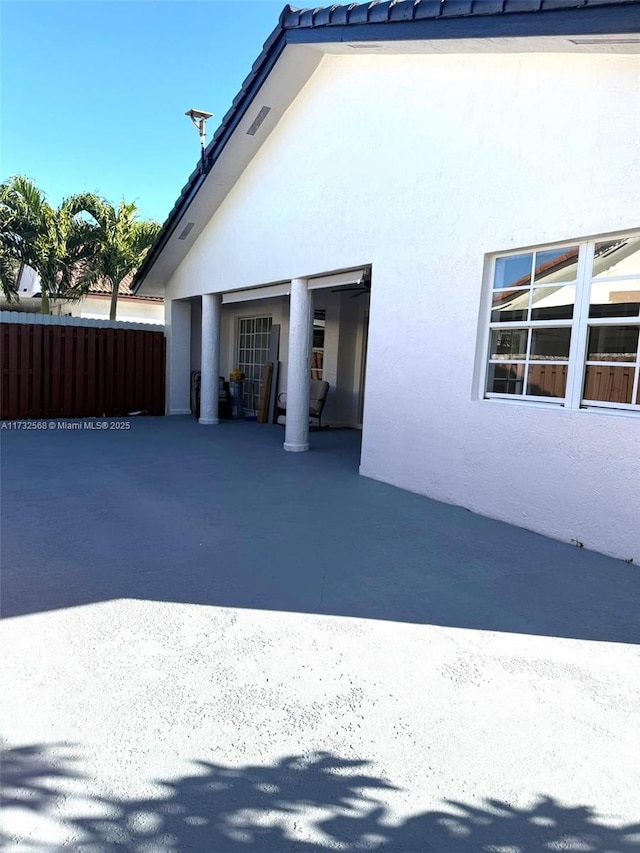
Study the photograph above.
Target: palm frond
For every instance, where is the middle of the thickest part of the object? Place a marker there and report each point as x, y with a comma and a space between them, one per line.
9, 273
144, 236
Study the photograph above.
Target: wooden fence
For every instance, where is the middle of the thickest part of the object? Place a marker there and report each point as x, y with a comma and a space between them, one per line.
76, 371
609, 383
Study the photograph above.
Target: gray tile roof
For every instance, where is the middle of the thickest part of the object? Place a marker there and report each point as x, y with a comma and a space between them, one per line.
384, 11
382, 20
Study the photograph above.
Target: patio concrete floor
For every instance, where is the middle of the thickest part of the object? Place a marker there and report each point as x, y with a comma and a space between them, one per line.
211, 645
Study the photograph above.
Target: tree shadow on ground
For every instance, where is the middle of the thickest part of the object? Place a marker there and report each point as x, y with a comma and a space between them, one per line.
302, 804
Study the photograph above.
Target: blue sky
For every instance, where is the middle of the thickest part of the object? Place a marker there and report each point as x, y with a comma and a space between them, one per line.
94, 93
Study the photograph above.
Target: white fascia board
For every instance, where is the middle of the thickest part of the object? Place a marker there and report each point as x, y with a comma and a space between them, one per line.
256, 293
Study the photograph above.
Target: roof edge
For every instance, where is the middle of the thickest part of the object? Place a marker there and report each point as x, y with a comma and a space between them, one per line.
390, 20
260, 70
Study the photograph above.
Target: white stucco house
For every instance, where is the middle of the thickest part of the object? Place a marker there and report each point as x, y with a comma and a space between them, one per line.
438, 204
95, 305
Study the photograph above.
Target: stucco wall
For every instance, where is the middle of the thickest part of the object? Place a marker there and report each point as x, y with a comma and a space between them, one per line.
129, 310
420, 165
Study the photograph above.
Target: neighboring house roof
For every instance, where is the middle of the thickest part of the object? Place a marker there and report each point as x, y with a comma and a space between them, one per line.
103, 288
395, 20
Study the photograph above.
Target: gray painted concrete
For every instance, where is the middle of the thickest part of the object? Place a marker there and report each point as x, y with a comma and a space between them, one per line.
212, 645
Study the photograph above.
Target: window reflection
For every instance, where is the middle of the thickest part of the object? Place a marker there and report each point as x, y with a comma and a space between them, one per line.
535, 301
617, 257
506, 378
539, 303
514, 271
608, 384
550, 344
553, 303
510, 306
615, 298
509, 344
613, 343
547, 380
556, 265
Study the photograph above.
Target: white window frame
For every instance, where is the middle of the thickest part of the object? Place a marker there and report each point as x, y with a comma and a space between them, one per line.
580, 323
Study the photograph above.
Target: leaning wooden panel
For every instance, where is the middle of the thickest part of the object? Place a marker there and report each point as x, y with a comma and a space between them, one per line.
265, 392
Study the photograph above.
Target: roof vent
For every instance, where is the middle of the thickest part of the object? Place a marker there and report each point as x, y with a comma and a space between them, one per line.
255, 124
605, 41
186, 231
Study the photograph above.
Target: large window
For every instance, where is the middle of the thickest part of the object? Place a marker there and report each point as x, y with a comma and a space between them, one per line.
564, 325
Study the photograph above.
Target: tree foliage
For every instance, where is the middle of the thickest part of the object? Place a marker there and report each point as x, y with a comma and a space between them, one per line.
84, 241
121, 242
55, 242
9, 272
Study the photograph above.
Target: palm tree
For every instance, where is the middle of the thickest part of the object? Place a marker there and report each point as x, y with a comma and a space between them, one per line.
9, 272
55, 242
122, 242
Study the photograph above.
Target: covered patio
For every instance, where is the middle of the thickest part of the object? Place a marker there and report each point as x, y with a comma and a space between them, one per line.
212, 646
303, 328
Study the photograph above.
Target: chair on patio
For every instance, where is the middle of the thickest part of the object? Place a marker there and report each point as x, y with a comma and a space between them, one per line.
318, 390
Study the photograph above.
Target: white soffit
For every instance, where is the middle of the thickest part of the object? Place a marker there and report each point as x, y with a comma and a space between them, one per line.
256, 293
338, 279
292, 71
611, 43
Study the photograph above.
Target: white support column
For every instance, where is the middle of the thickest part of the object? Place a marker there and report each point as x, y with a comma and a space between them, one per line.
210, 358
178, 332
296, 435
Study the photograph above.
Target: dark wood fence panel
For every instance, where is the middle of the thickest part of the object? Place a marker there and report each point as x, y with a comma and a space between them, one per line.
547, 380
612, 384
56, 371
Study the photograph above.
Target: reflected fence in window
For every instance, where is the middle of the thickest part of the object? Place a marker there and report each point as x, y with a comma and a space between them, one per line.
543, 343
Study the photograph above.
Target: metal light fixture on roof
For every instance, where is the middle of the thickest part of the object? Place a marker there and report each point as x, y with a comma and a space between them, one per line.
199, 119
